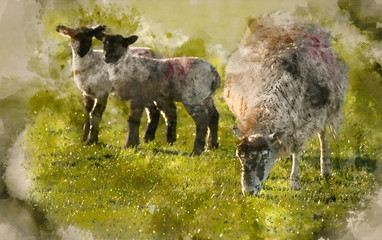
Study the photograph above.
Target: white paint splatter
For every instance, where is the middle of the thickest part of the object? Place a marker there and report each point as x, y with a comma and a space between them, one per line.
18, 27
366, 225
154, 34
73, 233
9, 232
16, 175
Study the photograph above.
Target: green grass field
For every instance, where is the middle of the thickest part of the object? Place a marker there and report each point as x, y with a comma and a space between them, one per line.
157, 191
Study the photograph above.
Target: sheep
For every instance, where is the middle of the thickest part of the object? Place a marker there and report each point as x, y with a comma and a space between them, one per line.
92, 78
140, 80
283, 84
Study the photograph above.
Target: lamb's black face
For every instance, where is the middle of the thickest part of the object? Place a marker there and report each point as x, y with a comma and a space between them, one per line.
82, 42
115, 46
82, 37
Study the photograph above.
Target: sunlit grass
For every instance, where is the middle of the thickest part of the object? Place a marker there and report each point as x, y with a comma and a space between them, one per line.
160, 191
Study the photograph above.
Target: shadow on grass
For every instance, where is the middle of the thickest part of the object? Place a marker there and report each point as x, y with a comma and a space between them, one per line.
359, 162
170, 152
365, 162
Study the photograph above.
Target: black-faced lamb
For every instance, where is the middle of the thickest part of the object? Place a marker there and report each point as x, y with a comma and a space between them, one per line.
92, 78
283, 84
141, 80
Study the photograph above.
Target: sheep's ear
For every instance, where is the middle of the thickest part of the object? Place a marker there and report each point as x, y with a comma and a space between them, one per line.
276, 137
129, 40
98, 32
237, 132
100, 28
65, 31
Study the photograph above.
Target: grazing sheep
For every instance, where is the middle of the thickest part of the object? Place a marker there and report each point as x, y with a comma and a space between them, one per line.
283, 84
92, 78
141, 80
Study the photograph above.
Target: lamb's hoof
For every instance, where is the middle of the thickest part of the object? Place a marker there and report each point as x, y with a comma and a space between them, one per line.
295, 184
213, 146
196, 152
130, 145
91, 141
170, 141
149, 138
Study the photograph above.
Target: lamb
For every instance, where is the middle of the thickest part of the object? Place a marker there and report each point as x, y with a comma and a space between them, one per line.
141, 80
283, 84
92, 78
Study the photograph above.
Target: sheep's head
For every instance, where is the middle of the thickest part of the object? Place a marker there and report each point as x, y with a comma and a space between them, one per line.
257, 159
82, 37
115, 46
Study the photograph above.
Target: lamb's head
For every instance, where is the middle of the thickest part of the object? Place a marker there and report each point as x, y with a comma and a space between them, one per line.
82, 37
115, 46
257, 157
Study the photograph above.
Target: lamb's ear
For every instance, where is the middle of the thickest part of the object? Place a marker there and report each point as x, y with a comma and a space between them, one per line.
237, 132
65, 31
276, 137
98, 32
129, 40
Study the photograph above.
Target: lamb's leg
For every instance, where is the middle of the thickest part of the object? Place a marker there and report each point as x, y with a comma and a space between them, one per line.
169, 110
213, 126
96, 117
294, 179
153, 120
200, 115
134, 122
89, 104
325, 159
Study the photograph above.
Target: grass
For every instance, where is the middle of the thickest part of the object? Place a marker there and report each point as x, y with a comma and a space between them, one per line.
157, 191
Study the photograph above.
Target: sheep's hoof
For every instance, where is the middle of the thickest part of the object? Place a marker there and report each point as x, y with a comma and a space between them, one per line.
149, 138
295, 184
326, 174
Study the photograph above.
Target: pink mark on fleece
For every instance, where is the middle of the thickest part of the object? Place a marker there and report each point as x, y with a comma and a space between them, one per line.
178, 67
142, 52
318, 48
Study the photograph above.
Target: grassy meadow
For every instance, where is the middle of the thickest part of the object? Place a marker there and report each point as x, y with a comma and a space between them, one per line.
158, 191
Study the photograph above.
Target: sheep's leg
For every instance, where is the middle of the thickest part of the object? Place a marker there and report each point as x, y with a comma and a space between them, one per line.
294, 179
89, 104
213, 126
200, 115
96, 117
169, 110
134, 122
153, 119
325, 159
